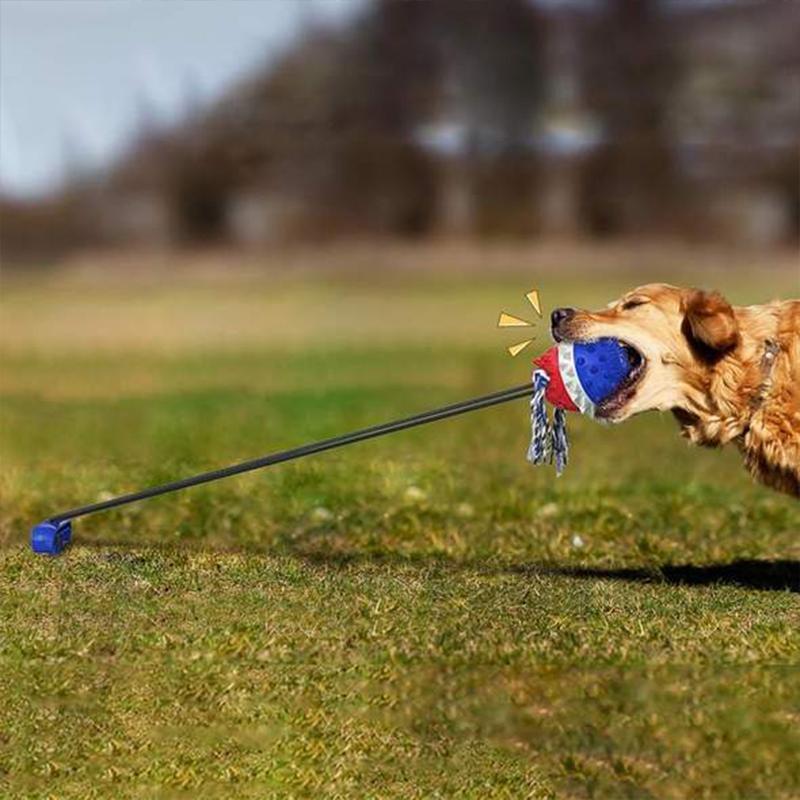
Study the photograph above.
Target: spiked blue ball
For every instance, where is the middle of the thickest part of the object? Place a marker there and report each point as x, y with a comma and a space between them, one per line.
602, 366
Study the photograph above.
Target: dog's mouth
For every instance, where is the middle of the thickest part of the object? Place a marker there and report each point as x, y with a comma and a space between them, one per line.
615, 403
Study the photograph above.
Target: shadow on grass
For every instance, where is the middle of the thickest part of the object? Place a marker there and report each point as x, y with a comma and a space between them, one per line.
759, 574
765, 575
750, 574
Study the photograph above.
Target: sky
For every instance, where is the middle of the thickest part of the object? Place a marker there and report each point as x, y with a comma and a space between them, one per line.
75, 75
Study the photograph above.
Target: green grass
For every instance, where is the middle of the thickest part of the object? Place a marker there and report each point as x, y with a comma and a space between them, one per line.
424, 615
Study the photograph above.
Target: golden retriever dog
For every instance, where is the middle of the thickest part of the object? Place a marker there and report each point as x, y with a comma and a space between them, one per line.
727, 373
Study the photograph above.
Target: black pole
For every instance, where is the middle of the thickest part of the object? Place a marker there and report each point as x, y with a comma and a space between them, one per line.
299, 452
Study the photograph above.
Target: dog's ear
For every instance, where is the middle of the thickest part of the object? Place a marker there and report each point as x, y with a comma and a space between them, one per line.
709, 321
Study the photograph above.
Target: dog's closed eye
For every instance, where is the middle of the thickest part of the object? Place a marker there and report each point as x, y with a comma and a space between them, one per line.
633, 302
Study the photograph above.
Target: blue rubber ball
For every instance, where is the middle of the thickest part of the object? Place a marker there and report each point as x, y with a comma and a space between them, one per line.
602, 366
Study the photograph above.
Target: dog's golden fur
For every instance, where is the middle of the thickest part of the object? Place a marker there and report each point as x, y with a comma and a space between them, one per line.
729, 374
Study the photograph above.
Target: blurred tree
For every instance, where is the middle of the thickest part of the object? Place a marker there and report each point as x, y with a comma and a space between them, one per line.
494, 83
630, 71
384, 84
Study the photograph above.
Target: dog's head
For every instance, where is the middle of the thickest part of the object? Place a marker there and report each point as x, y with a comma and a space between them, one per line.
672, 337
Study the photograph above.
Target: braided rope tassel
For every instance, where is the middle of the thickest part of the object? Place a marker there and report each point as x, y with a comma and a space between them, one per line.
560, 441
539, 449
549, 442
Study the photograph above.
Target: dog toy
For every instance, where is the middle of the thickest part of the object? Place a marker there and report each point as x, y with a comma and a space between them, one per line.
53, 535
571, 376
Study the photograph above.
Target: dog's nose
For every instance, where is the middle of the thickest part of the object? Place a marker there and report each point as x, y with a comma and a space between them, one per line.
560, 315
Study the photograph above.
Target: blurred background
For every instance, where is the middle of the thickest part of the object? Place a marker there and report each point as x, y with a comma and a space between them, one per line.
248, 125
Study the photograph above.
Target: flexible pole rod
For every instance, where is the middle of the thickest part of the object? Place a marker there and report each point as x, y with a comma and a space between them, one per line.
300, 452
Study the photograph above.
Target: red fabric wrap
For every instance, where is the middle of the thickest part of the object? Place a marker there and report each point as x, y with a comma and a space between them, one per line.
556, 392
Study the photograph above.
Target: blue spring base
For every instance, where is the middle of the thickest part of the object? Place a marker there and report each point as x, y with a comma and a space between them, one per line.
51, 538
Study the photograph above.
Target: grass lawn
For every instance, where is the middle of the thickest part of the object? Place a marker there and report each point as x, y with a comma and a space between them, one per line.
423, 615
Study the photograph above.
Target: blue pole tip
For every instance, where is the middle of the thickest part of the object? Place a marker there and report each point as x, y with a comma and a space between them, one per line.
51, 538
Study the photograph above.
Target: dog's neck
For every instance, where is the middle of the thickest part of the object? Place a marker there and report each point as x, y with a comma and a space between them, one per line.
732, 392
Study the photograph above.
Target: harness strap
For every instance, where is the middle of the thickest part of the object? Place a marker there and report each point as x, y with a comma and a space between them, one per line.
771, 350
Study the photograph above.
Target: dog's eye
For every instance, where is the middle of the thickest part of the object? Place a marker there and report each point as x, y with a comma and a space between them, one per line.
634, 302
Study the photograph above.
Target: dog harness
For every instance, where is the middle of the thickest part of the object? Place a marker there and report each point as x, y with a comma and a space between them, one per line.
771, 350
